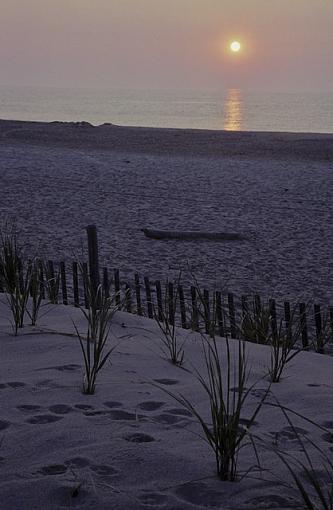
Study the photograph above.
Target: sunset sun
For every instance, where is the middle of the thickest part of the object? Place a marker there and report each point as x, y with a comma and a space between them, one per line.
235, 46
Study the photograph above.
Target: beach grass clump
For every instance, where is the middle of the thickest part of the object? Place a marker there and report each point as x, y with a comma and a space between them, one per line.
224, 382
261, 325
284, 342
164, 316
226, 395
36, 290
255, 323
99, 313
15, 280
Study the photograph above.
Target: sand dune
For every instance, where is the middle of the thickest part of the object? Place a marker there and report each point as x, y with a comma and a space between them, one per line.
131, 446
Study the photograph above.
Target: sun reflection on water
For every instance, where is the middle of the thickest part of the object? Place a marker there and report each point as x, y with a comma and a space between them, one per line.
233, 119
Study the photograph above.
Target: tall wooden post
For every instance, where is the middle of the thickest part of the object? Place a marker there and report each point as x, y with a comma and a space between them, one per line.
93, 256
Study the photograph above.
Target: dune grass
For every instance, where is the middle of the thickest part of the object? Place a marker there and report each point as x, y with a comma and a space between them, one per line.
100, 311
224, 384
172, 347
226, 394
15, 281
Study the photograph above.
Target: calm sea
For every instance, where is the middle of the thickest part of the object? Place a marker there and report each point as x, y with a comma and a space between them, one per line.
233, 109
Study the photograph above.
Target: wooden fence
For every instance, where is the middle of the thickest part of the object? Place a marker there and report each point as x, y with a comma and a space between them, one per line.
187, 307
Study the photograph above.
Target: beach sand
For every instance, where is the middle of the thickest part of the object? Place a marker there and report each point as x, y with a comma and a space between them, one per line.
275, 189
131, 445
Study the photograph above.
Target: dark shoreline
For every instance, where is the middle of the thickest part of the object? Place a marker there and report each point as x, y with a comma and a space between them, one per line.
169, 141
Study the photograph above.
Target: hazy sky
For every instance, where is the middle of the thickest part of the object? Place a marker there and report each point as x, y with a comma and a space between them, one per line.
287, 44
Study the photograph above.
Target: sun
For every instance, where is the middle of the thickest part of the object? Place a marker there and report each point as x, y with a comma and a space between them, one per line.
235, 46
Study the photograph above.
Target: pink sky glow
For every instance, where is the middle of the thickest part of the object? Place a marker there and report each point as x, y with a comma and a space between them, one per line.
152, 44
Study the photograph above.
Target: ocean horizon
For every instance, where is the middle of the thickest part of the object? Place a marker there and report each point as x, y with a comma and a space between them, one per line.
232, 109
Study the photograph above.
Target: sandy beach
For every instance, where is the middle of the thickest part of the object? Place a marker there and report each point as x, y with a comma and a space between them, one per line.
273, 188
131, 445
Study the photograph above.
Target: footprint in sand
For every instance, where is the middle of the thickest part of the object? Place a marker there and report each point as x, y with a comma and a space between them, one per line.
61, 409
84, 407
166, 382
43, 419
180, 411
154, 499
168, 419
260, 392
150, 405
139, 438
112, 404
271, 501
71, 367
117, 415
4, 424
193, 492
53, 469
124, 415
288, 437
29, 408
16, 384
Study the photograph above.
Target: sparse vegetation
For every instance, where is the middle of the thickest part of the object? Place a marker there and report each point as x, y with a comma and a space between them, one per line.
101, 309
15, 281
165, 318
226, 392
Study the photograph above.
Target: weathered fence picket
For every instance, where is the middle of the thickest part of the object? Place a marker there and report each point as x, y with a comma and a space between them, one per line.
192, 309
138, 295
76, 284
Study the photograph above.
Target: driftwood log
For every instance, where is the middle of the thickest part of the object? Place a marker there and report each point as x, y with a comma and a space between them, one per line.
191, 235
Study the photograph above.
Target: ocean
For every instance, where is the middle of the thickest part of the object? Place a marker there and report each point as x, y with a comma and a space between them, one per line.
232, 109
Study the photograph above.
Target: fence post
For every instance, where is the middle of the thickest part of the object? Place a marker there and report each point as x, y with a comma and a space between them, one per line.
195, 315
182, 306
171, 303
150, 308
219, 313
159, 300
304, 329
138, 294
76, 285
288, 321
232, 315
93, 256
206, 311
273, 319
319, 327
63, 283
